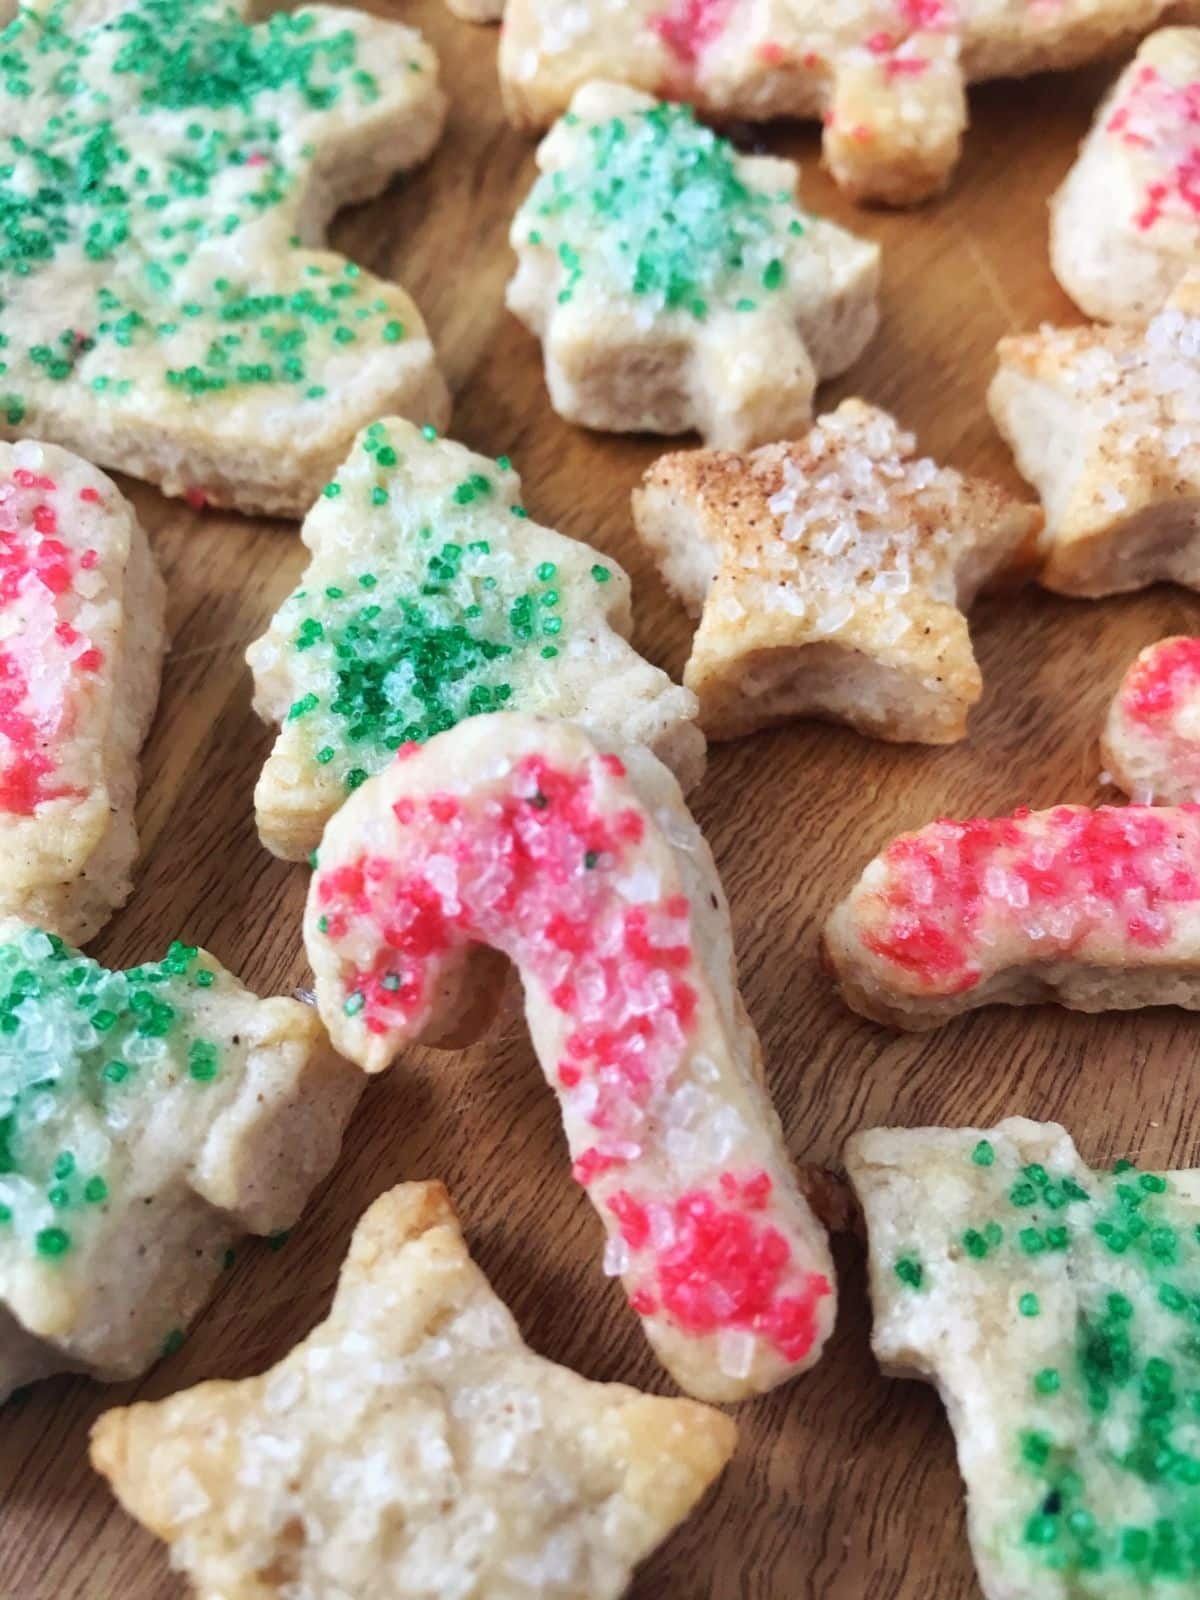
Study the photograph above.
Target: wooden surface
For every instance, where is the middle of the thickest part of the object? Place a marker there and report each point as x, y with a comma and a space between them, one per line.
844, 1484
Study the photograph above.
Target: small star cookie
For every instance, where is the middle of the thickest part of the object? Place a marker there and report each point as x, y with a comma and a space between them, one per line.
886, 77
831, 577
149, 1116
1054, 1309
1098, 910
676, 284
585, 869
432, 597
165, 171
1105, 423
1151, 742
81, 645
412, 1446
1125, 226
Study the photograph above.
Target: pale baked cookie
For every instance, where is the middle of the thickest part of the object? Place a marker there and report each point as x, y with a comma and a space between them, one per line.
1054, 1309
411, 1447
167, 170
1151, 741
1098, 910
676, 284
431, 597
586, 870
81, 645
1125, 226
830, 576
887, 77
146, 1118
1105, 423
477, 10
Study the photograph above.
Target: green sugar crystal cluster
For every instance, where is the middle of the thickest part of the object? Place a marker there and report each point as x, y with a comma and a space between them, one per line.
85, 1054
654, 207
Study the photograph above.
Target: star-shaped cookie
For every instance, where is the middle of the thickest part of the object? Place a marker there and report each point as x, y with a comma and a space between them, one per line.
1125, 226
431, 596
1096, 909
146, 1118
676, 284
166, 172
1151, 741
831, 577
1055, 1309
412, 1446
584, 868
887, 77
81, 646
1105, 423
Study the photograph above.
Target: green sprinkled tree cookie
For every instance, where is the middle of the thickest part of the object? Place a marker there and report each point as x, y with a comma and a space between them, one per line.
430, 597
146, 1117
1057, 1311
676, 284
166, 169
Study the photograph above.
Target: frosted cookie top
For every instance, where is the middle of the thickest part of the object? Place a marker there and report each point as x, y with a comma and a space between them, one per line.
157, 295
1151, 742
1055, 1309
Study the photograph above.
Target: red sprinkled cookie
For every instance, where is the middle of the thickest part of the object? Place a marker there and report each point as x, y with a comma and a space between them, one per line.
1151, 743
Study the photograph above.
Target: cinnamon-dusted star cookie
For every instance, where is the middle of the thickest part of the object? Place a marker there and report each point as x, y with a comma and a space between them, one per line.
412, 1446
431, 597
1105, 423
676, 284
146, 1118
517, 834
166, 172
831, 577
1151, 742
1055, 1309
1125, 226
887, 77
1096, 909
81, 646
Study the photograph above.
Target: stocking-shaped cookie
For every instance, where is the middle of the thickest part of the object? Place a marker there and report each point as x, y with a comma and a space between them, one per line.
1151, 742
166, 170
831, 577
886, 77
1105, 423
676, 284
1096, 909
146, 1118
1055, 1309
81, 645
517, 833
412, 1446
431, 597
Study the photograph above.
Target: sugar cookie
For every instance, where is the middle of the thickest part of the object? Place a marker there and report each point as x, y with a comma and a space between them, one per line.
719, 312
148, 1117
431, 597
166, 170
412, 1446
516, 833
1151, 742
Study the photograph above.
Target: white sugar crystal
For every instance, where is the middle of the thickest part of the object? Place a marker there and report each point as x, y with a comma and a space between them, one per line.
617, 1256
735, 1352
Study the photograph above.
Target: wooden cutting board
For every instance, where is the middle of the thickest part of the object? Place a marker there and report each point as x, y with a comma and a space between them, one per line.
844, 1484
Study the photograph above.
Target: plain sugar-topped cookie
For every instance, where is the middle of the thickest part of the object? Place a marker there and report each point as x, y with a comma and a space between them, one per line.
1054, 1307
676, 284
166, 170
431, 596
81, 646
831, 577
1125, 226
411, 1447
1151, 741
584, 868
146, 1118
886, 77
1096, 909
1105, 423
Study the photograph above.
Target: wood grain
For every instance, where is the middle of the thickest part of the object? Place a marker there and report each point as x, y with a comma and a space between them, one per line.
844, 1484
